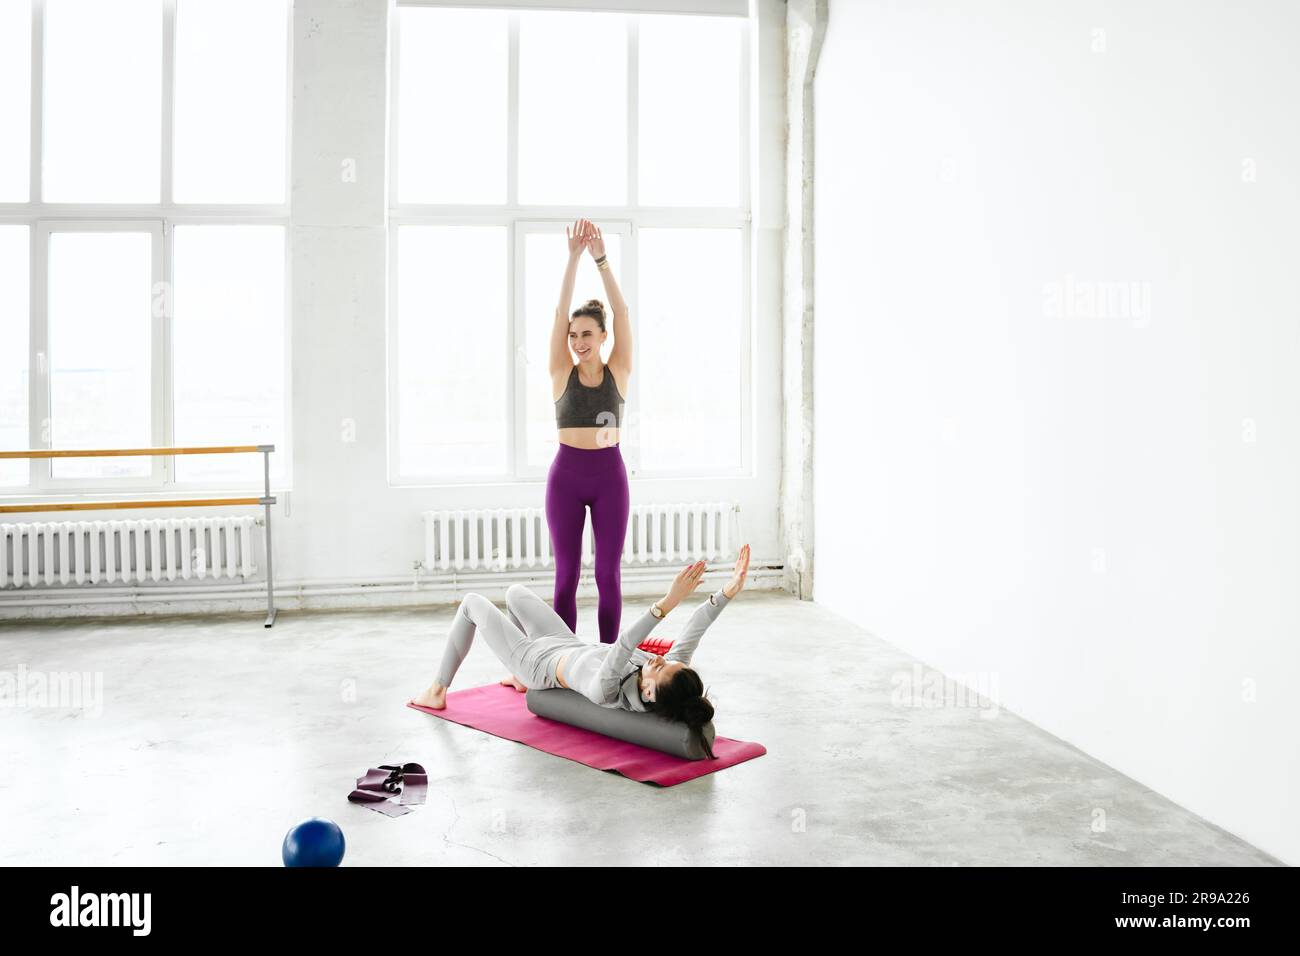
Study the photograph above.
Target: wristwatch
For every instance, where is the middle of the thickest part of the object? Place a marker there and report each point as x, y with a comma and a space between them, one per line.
657, 611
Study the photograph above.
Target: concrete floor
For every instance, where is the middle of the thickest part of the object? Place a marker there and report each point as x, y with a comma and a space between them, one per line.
215, 735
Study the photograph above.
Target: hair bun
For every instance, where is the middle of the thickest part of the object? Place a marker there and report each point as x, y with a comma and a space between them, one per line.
592, 308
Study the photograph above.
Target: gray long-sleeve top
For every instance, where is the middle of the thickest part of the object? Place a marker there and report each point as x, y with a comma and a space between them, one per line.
597, 671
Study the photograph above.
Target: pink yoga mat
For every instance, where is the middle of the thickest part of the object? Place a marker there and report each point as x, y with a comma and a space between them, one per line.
500, 711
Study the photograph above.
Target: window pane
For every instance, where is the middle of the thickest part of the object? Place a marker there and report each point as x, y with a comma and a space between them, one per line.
689, 135
231, 60
99, 327
573, 108
103, 83
545, 256
688, 332
451, 350
453, 105
15, 98
14, 322
228, 327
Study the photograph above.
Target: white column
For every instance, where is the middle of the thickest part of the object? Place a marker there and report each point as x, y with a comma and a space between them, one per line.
805, 28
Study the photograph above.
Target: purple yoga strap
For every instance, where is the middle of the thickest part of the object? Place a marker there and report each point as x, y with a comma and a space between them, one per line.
392, 790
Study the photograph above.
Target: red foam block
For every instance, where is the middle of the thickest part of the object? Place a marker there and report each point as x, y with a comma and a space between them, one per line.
655, 645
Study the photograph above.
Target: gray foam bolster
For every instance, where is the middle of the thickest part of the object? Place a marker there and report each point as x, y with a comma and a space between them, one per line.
646, 729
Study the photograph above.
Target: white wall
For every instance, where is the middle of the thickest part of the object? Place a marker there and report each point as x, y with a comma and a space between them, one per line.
1072, 505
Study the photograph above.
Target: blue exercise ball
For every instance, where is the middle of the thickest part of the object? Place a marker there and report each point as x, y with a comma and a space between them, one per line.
314, 842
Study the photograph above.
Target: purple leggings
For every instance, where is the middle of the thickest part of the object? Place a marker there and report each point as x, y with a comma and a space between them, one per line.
582, 478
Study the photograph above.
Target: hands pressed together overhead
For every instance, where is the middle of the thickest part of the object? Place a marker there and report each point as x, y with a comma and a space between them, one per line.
585, 234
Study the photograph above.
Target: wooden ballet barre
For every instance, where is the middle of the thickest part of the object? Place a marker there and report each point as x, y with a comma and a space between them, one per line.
123, 505
135, 452
266, 500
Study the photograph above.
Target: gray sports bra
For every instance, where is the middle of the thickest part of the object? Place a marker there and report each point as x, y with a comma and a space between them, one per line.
589, 406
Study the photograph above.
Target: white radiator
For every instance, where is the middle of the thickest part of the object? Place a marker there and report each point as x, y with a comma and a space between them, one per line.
125, 552
506, 538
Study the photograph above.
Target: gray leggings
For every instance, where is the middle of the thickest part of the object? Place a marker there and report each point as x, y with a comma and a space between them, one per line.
530, 641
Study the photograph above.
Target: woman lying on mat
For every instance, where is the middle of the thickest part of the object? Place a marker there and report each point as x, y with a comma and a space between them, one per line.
542, 652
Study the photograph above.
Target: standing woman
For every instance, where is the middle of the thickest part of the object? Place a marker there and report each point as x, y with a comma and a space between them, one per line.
588, 470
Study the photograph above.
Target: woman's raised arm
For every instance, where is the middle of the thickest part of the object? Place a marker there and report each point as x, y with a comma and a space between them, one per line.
561, 361
611, 669
684, 647
620, 354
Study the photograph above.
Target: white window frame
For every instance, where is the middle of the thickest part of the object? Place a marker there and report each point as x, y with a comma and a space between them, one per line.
42, 475
520, 220
42, 218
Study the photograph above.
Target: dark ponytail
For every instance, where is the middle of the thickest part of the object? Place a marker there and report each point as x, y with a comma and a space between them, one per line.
682, 699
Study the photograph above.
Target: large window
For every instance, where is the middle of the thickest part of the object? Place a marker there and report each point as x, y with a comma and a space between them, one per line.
507, 125
143, 218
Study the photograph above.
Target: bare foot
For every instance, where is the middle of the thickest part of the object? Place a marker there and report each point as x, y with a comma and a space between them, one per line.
515, 682
435, 698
